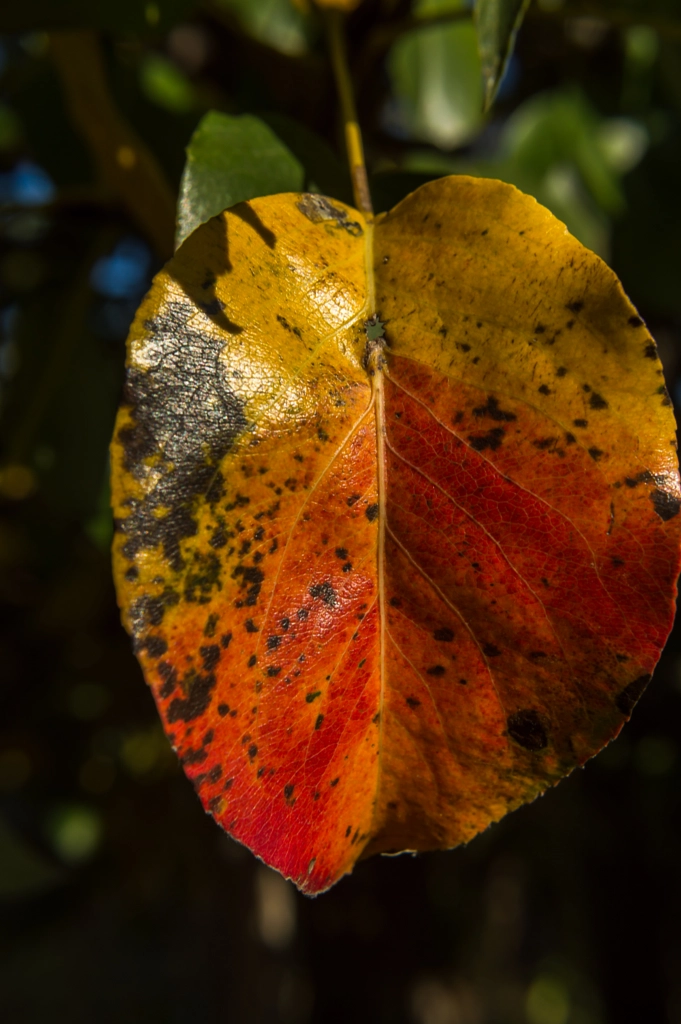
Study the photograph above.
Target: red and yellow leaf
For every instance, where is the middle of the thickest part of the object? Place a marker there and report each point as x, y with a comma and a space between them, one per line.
397, 516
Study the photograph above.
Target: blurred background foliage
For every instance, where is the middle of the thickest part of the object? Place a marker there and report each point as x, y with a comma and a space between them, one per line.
119, 900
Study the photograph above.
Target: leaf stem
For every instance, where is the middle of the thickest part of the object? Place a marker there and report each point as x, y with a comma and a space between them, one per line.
353, 135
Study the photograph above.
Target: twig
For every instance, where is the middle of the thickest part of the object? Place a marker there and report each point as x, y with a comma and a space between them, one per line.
124, 162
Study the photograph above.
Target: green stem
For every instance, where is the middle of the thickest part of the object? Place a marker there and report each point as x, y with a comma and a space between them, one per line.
353, 135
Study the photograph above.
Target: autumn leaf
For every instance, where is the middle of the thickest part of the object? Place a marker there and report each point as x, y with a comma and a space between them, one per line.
397, 516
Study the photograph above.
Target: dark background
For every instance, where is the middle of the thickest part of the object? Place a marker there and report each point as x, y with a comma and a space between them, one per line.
119, 899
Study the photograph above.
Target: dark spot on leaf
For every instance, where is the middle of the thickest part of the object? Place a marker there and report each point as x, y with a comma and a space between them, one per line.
169, 674
371, 512
650, 351
490, 651
436, 670
215, 773
581, 423
561, 371
341, 553
317, 209
252, 751
575, 307
597, 401
334, 782
225, 640
198, 689
312, 696
223, 709
352, 499
155, 646
666, 504
544, 389
628, 697
251, 627
444, 635
525, 727
492, 439
253, 660
413, 702
252, 578
288, 790
186, 385
635, 321
539, 329
273, 670
318, 723
595, 453
273, 642
492, 410
325, 591
211, 656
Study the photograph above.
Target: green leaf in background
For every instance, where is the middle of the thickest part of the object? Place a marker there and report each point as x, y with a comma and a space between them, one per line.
275, 23
435, 73
229, 160
557, 148
109, 15
497, 22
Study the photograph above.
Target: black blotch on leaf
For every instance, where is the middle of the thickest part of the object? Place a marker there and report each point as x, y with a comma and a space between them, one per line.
211, 656
198, 689
575, 307
318, 723
628, 697
253, 660
492, 410
525, 727
371, 512
168, 673
490, 651
413, 702
253, 579
223, 709
597, 401
666, 505
444, 635
544, 389
561, 371
155, 646
436, 670
492, 439
250, 626
581, 423
635, 321
288, 790
650, 351
225, 640
186, 385
595, 453
273, 642
324, 591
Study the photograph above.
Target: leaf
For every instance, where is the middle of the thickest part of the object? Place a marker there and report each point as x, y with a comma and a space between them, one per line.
275, 23
397, 516
231, 159
497, 22
435, 72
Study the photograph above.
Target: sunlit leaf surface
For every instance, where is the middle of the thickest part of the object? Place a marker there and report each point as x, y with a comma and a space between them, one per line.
397, 516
